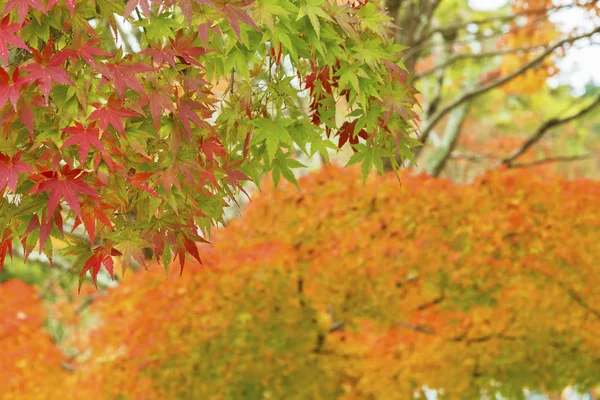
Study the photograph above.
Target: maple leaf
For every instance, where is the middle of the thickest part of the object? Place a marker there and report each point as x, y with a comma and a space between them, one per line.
111, 113
212, 147
87, 51
181, 47
91, 212
70, 4
67, 184
193, 84
45, 228
203, 30
47, 69
143, 4
186, 113
235, 14
84, 138
131, 247
185, 242
187, 8
8, 36
158, 100
346, 133
23, 7
207, 175
234, 177
5, 247
9, 171
138, 180
123, 75
168, 179
102, 255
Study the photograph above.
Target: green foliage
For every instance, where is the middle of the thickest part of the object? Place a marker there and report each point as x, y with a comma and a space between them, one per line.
145, 148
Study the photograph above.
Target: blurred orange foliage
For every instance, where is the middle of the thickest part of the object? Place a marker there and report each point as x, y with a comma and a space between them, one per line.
29, 360
533, 34
348, 291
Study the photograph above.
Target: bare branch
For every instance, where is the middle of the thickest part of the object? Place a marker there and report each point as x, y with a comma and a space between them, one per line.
496, 83
552, 160
544, 128
432, 303
416, 328
579, 300
501, 18
474, 56
475, 157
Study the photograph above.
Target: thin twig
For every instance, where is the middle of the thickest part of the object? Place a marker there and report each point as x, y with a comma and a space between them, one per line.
544, 128
474, 56
501, 18
416, 328
552, 160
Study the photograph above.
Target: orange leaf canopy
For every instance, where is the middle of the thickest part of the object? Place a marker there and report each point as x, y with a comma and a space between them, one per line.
345, 291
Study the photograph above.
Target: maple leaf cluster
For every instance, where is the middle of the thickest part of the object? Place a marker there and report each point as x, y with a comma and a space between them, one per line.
114, 138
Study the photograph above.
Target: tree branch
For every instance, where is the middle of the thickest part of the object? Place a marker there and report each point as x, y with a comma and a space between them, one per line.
545, 127
475, 157
551, 160
416, 328
496, 83
451, 135
501, 18
473, 56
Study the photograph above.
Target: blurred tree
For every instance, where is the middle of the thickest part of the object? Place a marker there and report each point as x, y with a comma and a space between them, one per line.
460, 56
344, 291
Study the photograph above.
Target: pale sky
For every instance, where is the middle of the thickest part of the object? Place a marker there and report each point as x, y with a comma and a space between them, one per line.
580, 65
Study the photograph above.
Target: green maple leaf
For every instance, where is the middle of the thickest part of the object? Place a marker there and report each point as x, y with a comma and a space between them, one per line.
313, 9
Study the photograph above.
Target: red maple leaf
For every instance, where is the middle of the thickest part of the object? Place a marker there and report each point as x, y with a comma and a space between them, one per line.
193, 83
92, 212
185, 242
67, 184
101, 255
111, 113
181, 47
138, 180
47, 69
143, 4
186, 113
168, 179
23, 7
87, 51
212, 147
203, 31
207, 175
186, 7
123, 75
346, 134
5, 247
84, 138
234, 177
158, 100
9, 170
45, 229
10, 89
235, 14
8, 36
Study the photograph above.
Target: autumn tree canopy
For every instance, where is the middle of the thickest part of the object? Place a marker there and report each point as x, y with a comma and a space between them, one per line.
110, 121
351, 291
